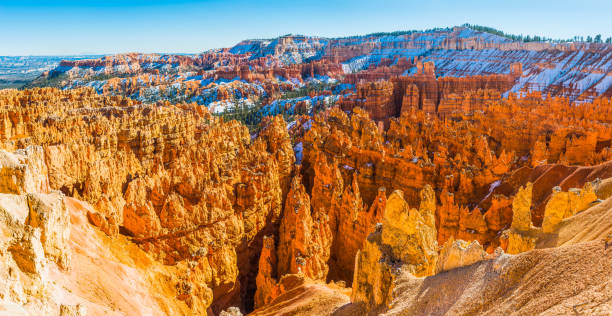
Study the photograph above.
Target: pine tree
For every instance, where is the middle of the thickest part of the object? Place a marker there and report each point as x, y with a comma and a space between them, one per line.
598, 38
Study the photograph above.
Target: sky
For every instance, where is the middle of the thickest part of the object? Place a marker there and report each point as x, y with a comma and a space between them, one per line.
182, 26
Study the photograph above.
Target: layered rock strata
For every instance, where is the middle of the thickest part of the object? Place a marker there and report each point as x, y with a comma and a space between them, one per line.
184, 185
404, 241
236, 222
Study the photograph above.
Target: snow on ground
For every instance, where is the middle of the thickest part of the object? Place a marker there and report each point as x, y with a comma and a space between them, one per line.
288, 106
566, 71
298, 149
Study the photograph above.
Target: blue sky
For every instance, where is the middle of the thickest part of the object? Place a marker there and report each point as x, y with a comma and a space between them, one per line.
183, 26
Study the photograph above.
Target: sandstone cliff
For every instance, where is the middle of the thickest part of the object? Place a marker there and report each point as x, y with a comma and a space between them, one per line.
404, 241
167, 176
200, 215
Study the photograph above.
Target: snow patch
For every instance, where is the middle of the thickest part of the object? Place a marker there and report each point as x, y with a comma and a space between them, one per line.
299, 152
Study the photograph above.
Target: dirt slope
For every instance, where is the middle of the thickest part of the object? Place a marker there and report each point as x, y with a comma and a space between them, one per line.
573, 279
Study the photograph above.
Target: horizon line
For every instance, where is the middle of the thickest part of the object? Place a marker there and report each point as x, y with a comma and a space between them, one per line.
465, 25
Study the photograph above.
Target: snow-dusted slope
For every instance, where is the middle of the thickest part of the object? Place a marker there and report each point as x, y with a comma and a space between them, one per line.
579, 71
575, 70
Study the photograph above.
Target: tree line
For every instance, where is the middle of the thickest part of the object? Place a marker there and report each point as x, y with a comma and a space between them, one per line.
536, 38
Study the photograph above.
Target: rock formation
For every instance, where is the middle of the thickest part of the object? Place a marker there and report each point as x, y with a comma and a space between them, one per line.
459, 253
439, 71
495, 283
214, 216
304, 236
267, 287
404, 241
385, 99
565, 204
520, 237
184, 193
521, 208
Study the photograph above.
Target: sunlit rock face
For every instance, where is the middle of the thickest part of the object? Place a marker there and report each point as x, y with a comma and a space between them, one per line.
412, 174
184, 185
477, 162
439, 71
35, 228
404, 241
459, 253
384, 99
51, 249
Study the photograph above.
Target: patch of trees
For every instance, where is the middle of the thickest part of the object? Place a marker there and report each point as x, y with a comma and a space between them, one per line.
537, 38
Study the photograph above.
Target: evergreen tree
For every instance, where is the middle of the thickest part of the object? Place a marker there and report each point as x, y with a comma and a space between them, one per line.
598, 38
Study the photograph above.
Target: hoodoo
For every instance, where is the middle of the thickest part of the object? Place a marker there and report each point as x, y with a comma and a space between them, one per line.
452, 171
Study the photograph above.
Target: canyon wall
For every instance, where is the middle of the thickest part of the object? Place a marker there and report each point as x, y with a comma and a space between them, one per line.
384, 99
476, 160
238, 219
469, 66
184, 185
